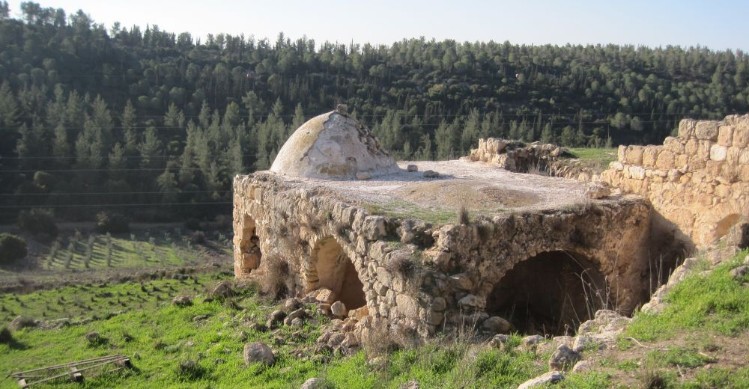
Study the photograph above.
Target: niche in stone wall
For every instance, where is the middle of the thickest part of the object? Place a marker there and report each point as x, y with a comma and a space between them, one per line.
249, 245
332, 269
549, 294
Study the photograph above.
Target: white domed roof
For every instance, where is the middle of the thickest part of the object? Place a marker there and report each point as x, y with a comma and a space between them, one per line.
333, 146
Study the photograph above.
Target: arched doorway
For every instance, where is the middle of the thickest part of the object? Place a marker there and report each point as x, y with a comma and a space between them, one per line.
249, 246
332, 269
550, 293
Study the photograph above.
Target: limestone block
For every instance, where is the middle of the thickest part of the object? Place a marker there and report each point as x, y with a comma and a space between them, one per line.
649, 155
620, 154
673, 144
723, 190
374, 227
636, 172
686, 128
732, 155
744, 157
384, 276
725, 135
616, 165
743, 173
706, 130
471, 301
438, 304
691, 146
434, 318
729, 172
634, 155
407, 306
718, 153
462, 281
681, 161
703, 151
696, 163
665, 160
741, 132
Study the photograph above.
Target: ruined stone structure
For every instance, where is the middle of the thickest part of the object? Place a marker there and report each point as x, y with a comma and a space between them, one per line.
429, 253
332, 146
698, 180
531, 158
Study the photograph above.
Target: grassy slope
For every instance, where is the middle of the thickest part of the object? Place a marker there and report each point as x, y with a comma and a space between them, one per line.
698, 341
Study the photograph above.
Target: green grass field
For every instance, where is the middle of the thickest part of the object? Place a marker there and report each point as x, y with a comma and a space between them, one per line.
595, 158
697, 342
142, 250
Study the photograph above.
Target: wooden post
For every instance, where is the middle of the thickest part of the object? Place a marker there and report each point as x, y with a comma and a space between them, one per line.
75, 375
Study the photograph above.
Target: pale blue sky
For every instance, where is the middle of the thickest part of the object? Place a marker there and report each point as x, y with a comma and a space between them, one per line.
716, 24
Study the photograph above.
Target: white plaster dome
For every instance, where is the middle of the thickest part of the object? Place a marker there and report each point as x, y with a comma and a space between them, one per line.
333, 146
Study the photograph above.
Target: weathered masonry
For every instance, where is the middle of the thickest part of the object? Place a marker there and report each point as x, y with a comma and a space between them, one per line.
394, 243
697, 181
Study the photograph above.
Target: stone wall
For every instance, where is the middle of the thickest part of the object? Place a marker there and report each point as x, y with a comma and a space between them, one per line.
515, 156
425, 277
536, 157
698, 180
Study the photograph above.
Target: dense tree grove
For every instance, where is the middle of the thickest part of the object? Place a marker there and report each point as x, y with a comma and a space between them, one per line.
156, 123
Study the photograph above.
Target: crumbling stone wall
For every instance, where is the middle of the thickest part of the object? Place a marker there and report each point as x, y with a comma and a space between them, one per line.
536, 157
698, 180
514, 155
425, 277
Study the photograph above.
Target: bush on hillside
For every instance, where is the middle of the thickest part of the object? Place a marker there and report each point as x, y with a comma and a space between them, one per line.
114, 223
38, 221
12, 248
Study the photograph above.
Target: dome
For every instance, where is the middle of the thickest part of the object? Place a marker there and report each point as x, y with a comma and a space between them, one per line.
333, 146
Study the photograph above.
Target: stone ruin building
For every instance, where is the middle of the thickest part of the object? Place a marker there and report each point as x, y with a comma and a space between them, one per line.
427, 246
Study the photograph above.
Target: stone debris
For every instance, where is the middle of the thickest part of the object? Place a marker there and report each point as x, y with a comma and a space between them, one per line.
597, 190
543, 380
338, 309
313, 383
583, 366
563, 358
496, 325
258, 352
430, 174
182, 301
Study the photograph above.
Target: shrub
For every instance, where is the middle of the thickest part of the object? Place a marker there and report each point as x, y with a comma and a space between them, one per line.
38, 221
114, 223
12, 248
190, 370
6, 337
278, 281
463, 217
197, 237
95, 339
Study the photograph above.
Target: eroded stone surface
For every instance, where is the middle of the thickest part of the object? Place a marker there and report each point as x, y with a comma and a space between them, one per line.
333, 146
698, 182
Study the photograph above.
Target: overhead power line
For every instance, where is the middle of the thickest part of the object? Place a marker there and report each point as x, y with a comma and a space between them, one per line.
112, 205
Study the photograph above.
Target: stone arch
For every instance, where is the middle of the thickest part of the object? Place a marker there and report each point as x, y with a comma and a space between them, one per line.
331, 268
549, 293
249, 246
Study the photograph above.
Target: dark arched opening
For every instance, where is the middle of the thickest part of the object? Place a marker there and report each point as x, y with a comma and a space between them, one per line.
249, 246
551, 293
335, 271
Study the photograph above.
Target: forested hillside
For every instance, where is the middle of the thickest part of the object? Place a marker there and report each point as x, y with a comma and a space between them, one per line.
155, 123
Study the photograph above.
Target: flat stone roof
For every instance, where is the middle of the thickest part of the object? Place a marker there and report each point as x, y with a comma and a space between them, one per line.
478, 186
